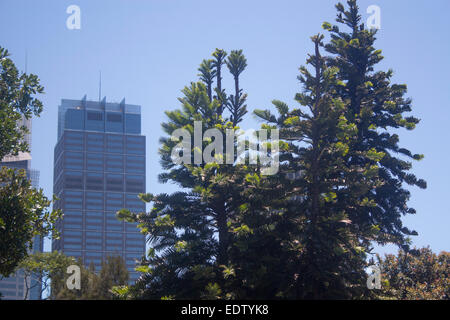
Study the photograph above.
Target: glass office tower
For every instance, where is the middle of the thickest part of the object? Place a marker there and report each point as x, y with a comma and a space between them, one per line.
15, 286
99, 168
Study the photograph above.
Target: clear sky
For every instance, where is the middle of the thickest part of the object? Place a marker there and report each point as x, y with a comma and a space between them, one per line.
148, 51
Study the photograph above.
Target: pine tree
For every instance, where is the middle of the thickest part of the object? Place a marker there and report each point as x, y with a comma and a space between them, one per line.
375, 106
306, 232
323, 252
189, 230
237, 63
207, 75
346, 181
113, 273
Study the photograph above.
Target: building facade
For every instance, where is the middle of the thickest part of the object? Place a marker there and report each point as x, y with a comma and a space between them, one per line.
99, 168
17, 286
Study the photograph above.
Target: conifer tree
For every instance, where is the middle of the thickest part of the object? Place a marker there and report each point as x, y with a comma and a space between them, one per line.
375, 106
189, 231
323, 251
237, 63
218, 61
306, 232
207, 75
346, 181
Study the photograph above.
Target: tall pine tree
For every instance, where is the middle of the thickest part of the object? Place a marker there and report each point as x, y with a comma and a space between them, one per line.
346, 179
189, 231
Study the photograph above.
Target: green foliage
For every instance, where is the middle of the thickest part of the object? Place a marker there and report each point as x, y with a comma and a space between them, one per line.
45, 268
23, 214
23, 210
349, 191
50, 271
416, 275
236, 64
17, 100
374, 106
207, 74
110, 283
322, 249
188, 230
306, 232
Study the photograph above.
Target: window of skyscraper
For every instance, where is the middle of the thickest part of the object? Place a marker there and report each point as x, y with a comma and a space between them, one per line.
134, 183
95, 121
133, 123
114, 182
74, 119
112, 224
94, 200
73, 180
73, 219
73, 240
135, 164
94, 181
114, 163
114, 122
94, 142
96, 227
135, 145
72, 246
75, 138
74, 160
73, 200
73, 233
94, 220
94, 161
114, 201
73, 141
114, 143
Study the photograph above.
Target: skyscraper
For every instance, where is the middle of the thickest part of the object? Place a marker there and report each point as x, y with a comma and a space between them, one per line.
15, 286
99, 168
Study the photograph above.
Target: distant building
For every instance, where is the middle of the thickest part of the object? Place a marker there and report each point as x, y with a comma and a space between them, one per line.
99, 168
14, 287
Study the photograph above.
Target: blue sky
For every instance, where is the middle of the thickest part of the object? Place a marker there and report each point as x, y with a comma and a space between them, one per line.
148, 51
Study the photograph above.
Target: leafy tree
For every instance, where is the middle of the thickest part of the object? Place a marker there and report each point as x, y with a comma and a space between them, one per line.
415, 275
23, 215
94, 286
45, 268
17, 99
89, 283
23, 210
